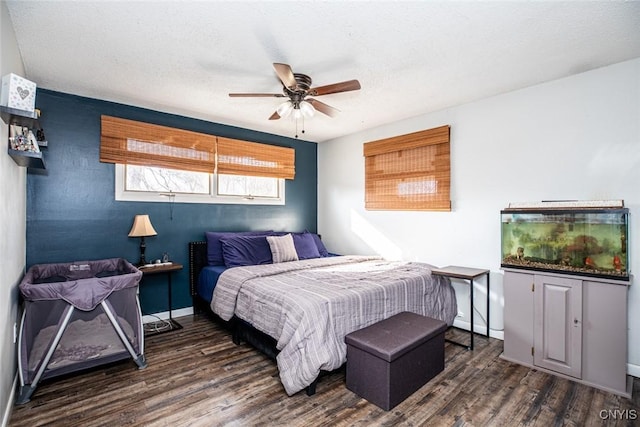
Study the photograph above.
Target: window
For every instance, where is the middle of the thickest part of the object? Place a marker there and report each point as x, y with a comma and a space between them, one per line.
155, 162
247, 186
409, 172
151, 179
150, 184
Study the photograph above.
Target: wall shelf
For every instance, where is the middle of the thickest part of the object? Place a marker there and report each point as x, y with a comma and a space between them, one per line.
29, 119
27, 159
13, 116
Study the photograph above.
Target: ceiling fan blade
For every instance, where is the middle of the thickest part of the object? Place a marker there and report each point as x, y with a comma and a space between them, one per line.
274, 116
285, 74
251, 95
322, 107
335, 88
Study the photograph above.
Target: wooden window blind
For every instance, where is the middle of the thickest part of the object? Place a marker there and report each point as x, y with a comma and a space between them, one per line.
409, 172
136, 143
237, 157
129, 142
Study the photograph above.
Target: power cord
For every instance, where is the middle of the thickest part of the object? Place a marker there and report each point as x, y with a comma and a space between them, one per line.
160, 325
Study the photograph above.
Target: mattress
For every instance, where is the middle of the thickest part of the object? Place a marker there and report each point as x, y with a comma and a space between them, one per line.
207, 281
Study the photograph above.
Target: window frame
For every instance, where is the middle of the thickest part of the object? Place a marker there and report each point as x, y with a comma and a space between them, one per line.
121, 194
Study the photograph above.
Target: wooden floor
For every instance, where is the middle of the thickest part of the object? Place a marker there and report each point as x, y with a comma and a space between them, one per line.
197, 377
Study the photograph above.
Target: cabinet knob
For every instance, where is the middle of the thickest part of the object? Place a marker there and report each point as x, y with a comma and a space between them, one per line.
576, 321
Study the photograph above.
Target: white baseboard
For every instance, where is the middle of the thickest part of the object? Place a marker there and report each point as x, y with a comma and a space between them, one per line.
478, 329
150, 318
188, 311
633, 370
11, 401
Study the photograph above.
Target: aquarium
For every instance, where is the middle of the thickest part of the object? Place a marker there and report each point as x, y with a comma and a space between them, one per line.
591, 242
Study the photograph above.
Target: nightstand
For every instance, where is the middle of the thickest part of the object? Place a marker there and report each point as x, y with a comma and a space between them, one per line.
466, 273
168, 269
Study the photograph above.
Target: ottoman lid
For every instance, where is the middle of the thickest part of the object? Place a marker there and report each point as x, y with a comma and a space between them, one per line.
395, 336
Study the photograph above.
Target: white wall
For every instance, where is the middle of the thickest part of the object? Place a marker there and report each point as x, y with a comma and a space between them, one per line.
12, 227
574, 138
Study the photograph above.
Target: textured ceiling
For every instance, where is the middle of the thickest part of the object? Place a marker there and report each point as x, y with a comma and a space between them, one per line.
184, 57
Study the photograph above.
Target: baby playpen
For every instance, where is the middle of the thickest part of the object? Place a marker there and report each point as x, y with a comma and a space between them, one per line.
76, 316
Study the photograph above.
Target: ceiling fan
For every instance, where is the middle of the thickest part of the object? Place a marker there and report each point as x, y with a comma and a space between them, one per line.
297, 87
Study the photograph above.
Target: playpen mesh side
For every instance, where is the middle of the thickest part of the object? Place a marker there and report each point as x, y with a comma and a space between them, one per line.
91, 307
87, 341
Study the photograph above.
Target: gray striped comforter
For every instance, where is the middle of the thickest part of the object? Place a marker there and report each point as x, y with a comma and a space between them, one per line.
309, 306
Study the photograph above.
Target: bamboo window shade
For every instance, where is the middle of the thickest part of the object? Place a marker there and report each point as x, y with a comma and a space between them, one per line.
409, 172
236, 157
129, 142
136, 143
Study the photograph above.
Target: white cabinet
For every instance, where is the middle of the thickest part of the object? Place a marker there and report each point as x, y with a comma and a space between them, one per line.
572, 326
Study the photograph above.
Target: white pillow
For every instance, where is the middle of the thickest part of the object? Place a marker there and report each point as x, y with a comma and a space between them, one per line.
282, 248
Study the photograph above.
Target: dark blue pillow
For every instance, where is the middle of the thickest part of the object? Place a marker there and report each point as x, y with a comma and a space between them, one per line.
214, 245
245, 250
305, 246
321, 248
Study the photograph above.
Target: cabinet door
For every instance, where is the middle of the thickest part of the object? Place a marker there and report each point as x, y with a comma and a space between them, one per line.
558, 324
518, 317
604, 334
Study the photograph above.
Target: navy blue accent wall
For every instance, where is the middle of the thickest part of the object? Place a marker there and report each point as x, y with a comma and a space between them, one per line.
72, 214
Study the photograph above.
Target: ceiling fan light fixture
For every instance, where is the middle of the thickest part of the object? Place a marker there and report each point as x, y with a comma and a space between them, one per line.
307, 109
284, 109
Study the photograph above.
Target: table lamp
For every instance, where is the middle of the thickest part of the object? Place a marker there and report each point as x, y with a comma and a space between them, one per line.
142, 228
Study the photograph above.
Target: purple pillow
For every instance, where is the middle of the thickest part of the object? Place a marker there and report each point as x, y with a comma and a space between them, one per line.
214, 245
321, 248
246, 250
305, 246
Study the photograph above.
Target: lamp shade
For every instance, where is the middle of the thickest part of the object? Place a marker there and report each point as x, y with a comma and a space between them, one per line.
284, 109
142, 227
307, 109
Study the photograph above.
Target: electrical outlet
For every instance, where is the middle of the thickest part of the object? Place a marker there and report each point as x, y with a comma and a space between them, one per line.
15, 332
460, 314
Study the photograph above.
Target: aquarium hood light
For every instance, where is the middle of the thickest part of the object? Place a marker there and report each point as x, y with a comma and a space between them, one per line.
568, 204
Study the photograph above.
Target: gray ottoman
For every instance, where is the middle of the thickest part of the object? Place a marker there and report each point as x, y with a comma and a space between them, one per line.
391, 359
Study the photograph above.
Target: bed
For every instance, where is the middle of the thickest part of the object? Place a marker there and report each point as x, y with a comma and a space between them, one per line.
299, 310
